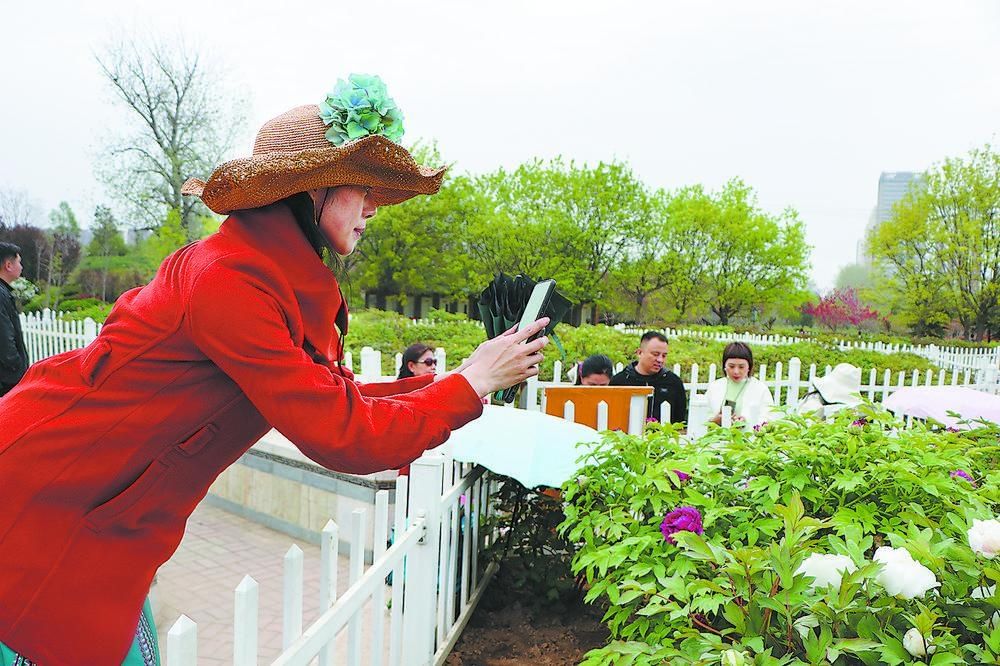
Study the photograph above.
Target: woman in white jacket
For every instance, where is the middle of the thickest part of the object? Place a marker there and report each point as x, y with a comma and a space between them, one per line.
749, 398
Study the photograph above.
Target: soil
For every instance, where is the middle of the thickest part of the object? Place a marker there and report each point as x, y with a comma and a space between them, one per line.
511, 635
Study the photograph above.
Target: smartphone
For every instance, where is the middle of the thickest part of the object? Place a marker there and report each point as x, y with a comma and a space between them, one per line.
537, 303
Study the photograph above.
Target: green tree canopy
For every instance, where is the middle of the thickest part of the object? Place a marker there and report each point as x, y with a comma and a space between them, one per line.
940, 250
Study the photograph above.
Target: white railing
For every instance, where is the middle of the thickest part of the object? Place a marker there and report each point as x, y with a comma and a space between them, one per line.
45, 334
438, 577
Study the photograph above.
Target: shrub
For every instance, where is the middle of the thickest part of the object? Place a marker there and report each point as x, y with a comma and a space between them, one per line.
769, 500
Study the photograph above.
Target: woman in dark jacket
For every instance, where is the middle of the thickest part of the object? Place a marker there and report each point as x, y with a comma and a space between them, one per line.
106, 451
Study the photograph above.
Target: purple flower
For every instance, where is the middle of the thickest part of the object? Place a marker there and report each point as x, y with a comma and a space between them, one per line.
652, 419
962, 474
681, 519
683, 476
758, 427
952, 429
860, 422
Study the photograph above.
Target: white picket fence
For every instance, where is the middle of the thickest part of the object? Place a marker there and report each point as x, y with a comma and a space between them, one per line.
45, 334
787, 381
438, 577
949, 358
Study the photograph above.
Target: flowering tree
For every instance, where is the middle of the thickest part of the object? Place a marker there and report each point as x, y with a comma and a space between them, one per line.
841, 307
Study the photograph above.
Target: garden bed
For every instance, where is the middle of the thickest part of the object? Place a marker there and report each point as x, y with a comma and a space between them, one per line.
513, 635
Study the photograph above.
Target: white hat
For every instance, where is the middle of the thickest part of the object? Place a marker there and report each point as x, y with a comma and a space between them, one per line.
842, 385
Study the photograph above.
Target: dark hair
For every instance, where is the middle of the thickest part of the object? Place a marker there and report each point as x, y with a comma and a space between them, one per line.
598, 364
8, 251
652, 335
412, 355
737, 350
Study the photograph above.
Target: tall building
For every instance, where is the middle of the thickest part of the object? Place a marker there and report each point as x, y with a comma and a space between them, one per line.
892, 186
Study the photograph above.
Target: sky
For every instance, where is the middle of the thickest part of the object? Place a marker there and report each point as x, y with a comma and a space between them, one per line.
807, 102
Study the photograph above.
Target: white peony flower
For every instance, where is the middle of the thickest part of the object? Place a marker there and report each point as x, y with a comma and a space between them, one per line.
916, 644
984, 537
733, 658
901, 575
826, 569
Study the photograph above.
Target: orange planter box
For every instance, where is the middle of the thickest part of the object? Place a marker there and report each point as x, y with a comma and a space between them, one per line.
585, 399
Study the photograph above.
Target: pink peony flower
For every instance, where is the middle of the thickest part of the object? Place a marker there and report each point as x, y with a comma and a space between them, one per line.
681, 519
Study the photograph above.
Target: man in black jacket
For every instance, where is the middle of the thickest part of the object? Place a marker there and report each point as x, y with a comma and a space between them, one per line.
13, 354
648, 370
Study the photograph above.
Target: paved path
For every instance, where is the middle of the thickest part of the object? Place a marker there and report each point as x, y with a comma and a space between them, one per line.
218, 549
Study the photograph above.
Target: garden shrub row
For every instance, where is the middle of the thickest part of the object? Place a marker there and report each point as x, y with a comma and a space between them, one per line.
391, 333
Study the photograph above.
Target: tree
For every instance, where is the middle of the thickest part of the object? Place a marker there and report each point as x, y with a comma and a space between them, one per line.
907, 256
752, 259
33, 244
184, 119
963, 202
16, 209
417, 247
107, 242
841, 307
62, 252
562, 220
940, 250
665, 259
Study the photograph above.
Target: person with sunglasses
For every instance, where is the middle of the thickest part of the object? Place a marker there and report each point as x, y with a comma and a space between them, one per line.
418, 360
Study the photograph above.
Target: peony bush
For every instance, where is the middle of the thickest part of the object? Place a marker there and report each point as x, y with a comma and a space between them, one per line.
845, 542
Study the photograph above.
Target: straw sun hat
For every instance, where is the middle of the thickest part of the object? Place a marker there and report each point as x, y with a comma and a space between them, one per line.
348, 139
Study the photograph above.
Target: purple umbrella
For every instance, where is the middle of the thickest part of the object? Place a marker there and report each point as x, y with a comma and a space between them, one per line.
935, 402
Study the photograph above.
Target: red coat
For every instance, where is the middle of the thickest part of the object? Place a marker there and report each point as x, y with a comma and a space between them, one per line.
106, 451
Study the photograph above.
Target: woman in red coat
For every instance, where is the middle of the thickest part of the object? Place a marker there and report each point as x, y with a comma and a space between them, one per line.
106, 451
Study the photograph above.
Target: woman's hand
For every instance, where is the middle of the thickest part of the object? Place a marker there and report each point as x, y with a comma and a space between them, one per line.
506, 360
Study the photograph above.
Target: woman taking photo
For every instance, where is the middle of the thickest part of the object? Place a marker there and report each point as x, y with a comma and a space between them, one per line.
106, 451
749, 398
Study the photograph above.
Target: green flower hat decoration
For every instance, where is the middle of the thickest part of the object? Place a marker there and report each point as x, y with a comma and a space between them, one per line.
358, 107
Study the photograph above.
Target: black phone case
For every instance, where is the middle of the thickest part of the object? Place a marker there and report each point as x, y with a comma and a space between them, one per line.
510, 392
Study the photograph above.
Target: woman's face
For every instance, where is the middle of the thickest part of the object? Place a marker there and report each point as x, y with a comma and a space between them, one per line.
596, 379
737, 369
425, 365
343, 215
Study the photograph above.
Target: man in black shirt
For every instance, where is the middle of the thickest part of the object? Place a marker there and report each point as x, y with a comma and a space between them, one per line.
648, 370
13, 355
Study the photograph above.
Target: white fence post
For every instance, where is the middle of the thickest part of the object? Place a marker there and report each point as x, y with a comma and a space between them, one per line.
291, 616
602, 415
329, 550
371, 363
245, 626
357, 568
794, 381
182, 643
637, 414
421, 576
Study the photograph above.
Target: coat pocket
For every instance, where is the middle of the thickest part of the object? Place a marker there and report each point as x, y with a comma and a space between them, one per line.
114, 510
198, 440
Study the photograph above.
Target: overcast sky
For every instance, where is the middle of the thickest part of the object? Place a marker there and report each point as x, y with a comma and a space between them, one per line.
806, 101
